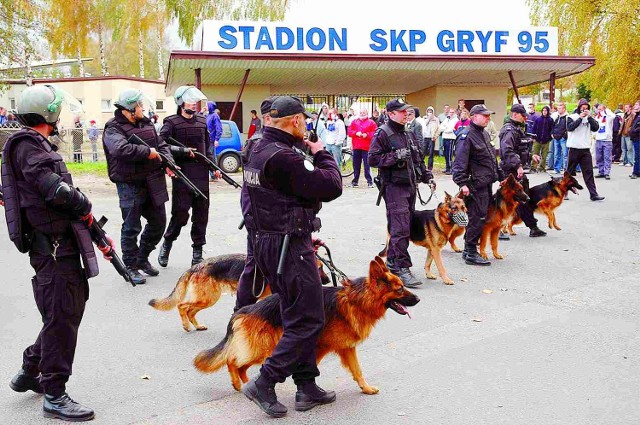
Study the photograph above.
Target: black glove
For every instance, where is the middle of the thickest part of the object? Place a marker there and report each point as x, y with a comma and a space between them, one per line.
403, 154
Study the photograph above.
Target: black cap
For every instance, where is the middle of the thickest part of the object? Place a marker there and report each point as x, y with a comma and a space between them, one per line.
265, 106
480, 109
285, 106
397, 105
518, 108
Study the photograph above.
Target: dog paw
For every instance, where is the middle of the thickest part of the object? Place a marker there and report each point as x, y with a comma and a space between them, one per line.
370, 390
484, 255
498, 256
456, 249
512, 233
447, 280
201, 328
431, 276
557, 227
186, 329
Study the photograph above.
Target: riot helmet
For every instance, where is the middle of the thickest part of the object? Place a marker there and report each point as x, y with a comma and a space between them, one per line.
190, 95
42, 104
130, 98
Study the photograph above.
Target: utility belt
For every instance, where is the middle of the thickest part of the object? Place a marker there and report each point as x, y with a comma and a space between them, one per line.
396, 175
56, 246
301, 229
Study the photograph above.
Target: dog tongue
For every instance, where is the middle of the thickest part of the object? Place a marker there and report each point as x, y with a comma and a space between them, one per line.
405, 310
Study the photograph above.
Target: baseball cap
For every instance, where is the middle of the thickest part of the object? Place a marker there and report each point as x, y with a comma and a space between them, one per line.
480, 109
518, 108
285, 106
397, 105
265, 106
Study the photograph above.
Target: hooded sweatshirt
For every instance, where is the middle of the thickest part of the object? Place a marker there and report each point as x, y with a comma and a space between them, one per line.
579, 129
213, 123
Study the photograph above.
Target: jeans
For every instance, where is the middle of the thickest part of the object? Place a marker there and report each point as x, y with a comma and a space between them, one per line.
603, 156
440, 146
636, 163
429, 153
560, 154
336, 152
627, 151
550, 156
448, 144
361, 156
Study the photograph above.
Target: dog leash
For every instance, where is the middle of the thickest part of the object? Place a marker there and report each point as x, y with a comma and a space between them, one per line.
433, 193
336, 273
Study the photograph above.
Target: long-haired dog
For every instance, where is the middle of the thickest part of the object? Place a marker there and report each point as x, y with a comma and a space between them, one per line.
350, 311
546, 197
501, 211
432, 229
202, 285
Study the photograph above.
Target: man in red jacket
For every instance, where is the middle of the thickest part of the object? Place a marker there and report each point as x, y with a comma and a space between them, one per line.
361, 132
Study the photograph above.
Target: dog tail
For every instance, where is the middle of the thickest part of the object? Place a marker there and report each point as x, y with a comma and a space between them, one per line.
176, 295
383, 253
208, 361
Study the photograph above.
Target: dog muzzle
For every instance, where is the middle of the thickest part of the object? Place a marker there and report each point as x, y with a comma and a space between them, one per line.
460, 218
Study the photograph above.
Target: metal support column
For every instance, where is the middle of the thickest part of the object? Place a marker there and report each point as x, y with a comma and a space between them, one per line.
244, 83
552, 88
515, 88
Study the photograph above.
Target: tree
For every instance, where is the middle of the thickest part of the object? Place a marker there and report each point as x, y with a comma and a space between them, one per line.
583, 92
18, 26
609, 30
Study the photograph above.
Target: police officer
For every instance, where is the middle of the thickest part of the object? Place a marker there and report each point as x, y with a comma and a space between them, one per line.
251, 281
190, 129
41, 206
285, 189
137, 171
475, 168
514, 155
394, 151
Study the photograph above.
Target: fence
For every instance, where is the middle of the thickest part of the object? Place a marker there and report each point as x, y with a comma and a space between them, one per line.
74, 144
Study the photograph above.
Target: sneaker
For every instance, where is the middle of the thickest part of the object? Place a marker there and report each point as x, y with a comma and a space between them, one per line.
147, 268
23, 382
535, 232
354, 185
136, 277
309, 395
633, 176
264, 396
628, 165
597, 198
600, 176
407, 278
65, 408
607, 177
504, 237
370, 186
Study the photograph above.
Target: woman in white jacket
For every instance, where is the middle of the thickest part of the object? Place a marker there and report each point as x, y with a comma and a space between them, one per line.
448, 137
336, 134
430, 130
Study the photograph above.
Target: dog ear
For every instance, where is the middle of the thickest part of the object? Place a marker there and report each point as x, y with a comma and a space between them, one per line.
566, 174
381, 262
376, 271
447, 197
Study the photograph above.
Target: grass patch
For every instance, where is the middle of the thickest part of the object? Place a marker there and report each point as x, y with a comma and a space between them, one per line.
93, 168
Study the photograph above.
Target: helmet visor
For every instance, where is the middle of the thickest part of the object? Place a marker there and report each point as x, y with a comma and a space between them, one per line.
193, 95
63, 97
147, 104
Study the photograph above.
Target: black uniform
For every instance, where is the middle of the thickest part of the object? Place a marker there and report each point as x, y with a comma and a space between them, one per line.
141, 185
513, 155
476, 167
284, 196
40, 205
399, 183
191, 132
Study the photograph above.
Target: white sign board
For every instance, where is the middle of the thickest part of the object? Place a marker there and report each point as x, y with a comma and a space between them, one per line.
281, 37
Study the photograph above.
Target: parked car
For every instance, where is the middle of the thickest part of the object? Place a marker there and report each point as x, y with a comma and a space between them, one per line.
229, 147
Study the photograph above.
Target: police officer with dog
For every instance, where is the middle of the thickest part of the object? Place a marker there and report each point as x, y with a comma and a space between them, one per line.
395, 152
475, 169
514, 155
45, 215
285, 190
190, 129
137, 170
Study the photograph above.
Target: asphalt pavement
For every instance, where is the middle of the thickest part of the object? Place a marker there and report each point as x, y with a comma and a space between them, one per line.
549, 335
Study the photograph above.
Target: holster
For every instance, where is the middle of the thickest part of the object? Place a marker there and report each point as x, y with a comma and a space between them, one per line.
85, 246
157, 188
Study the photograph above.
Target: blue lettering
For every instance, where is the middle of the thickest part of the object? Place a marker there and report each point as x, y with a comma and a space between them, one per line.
335, 39
465, 38
397, 40
226, 34
500, 40
416, 37
322, 39
448, 44
379, 42
300, 38
484, 40
264, 39
281, 32
245, 34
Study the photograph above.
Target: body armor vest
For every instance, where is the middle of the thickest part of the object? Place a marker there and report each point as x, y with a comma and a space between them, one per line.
397, 174
193, 133
268, 210
522, 149
25, 207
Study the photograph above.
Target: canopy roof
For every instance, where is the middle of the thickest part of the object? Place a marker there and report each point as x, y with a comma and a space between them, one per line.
366, 74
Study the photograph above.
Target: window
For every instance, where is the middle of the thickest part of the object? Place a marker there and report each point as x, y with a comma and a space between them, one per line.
226, 131
159, 105
13, 103
106, 105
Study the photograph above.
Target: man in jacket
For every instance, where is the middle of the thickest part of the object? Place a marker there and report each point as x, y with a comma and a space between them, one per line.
401, 165
580, 125
448, 137
627, 146
559, 134
215, 131
475, 169
361, 131
634, 136
415, 126
604, 141
137, 171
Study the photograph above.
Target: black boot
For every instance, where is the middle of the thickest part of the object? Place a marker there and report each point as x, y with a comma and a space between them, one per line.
473, 257
136, 277
197, 255
23, 382
146, 267
536, 232
504, 236
407, 278
309, 395
66, 409
163, 256
263, 394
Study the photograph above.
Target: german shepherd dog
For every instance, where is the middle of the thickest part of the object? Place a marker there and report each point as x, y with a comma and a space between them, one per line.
546, 197
432, 229
202, 285
351, 312
501, 210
